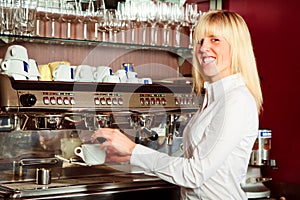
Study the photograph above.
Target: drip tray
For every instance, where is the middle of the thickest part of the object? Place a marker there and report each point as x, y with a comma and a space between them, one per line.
105, 183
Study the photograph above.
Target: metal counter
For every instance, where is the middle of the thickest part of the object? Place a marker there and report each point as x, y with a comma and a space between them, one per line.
98, 182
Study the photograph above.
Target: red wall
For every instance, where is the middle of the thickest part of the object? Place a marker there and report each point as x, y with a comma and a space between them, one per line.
274, 26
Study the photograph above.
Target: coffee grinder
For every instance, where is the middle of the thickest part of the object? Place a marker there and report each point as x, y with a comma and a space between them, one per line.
260, 157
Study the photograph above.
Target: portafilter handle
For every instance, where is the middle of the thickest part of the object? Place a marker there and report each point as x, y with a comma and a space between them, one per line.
152, 135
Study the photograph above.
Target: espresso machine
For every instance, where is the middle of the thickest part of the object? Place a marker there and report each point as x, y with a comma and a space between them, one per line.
41, 122
260, 158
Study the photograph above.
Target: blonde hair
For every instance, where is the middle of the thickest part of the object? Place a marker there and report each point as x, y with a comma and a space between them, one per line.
233, 27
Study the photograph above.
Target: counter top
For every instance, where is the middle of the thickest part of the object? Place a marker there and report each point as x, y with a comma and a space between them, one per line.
81, 180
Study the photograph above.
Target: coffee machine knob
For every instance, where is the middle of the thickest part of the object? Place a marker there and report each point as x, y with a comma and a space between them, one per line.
27, 100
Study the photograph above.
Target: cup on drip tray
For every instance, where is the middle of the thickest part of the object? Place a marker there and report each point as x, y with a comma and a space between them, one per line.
91, 154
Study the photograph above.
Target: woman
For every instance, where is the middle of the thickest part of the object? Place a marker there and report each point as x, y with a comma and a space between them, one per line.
218, 139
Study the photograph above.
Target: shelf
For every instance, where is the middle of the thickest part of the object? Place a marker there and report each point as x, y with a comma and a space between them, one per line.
6, 39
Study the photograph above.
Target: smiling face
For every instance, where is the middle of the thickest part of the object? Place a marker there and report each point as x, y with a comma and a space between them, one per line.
214, 56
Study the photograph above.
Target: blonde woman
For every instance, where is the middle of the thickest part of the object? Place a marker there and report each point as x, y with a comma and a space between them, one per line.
218, 140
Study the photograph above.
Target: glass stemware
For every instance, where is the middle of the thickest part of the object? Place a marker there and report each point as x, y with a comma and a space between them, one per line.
40, 15
53, 9
83, 15
192, 16
153, 20
165, 21
102, 21
131, 14
177, 20
96, 12
123, 19
142, 18
68, 14
112, 24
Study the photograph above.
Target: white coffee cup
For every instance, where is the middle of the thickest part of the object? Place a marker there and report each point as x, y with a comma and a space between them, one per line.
13, 66
122, 74
111, 79
84, 73
101, 72
16, 52
33, 70
63, 73
91, 154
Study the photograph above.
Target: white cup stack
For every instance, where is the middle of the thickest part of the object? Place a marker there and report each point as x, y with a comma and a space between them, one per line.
15, 62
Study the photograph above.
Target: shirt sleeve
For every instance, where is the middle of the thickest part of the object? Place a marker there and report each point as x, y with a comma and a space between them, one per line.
233, 120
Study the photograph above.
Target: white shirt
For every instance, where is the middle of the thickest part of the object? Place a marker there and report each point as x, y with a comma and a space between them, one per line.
217, 145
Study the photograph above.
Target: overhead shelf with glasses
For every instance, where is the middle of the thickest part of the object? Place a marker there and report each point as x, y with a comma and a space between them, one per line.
147, 33
7, 39
144, 25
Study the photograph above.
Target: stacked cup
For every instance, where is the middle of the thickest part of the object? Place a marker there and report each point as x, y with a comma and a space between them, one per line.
15, 62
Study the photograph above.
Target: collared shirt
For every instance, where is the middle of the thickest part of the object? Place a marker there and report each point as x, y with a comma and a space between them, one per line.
217, 143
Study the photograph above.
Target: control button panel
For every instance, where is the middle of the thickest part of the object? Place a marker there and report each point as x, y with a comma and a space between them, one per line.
108, 100
58, 98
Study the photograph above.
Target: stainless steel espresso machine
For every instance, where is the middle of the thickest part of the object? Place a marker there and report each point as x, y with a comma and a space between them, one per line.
41, 122
260, 158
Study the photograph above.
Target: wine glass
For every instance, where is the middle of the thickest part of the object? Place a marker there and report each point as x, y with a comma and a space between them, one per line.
96, 11
53, 9
131, 15
102, 21
142, 18
192, 16
165, 19
40, 15
177, 20
153, 20
112, 24
123, 19
83, 15
68, 14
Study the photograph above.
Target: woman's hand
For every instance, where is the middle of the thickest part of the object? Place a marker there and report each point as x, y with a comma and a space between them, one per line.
118, 146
